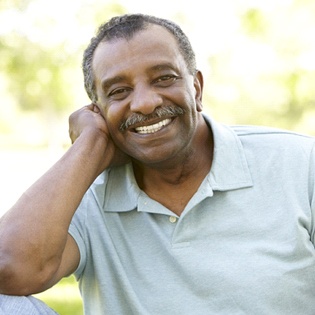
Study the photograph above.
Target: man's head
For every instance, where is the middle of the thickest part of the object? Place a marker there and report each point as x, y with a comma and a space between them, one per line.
147, 92
126, 26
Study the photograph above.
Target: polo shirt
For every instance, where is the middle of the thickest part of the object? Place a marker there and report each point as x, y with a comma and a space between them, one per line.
244, 243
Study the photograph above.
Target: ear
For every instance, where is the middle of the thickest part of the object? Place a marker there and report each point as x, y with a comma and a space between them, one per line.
198, 84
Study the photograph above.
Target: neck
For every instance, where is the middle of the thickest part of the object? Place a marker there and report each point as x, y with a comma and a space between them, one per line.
173, 183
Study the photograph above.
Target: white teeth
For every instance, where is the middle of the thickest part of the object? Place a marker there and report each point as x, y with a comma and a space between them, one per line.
153, 128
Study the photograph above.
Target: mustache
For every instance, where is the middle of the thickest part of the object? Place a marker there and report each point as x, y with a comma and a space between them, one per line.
160, 112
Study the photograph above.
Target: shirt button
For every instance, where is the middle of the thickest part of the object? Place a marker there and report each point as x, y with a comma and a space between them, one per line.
172, 219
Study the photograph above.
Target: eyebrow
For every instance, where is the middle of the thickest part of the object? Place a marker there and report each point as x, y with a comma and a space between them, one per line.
163, 66
109, 82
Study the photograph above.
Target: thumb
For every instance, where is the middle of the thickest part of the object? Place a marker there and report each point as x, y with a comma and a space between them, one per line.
96, 109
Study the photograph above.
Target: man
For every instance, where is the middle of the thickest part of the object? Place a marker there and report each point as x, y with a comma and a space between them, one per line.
156, 208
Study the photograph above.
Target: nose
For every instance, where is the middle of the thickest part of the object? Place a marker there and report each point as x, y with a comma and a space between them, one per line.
145, 99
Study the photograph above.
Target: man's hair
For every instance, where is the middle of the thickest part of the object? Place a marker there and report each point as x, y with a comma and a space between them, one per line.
126, 26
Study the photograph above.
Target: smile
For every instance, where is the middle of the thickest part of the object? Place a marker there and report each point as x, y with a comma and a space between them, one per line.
153, 128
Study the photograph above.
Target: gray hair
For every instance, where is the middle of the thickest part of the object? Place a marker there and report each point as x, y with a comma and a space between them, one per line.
126, 26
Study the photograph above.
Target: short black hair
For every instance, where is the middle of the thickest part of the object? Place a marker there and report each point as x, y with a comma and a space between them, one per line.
126, 26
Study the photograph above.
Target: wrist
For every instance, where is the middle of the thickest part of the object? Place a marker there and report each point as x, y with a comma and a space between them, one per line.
94, 146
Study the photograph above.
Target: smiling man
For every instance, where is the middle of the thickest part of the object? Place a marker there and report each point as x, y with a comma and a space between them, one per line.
156, 208
151, 102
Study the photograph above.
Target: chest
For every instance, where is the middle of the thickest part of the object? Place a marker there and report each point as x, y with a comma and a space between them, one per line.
219, 255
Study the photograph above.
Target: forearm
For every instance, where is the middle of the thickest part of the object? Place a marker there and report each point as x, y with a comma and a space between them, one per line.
33, 233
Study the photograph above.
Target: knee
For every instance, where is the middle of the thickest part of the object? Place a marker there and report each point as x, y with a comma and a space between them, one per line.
23, 305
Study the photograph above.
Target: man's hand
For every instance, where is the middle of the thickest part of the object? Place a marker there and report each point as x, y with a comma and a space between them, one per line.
89, 119
86, 118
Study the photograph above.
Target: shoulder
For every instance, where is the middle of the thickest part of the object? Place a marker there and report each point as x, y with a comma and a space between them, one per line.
255, 136
255, 130
268, 137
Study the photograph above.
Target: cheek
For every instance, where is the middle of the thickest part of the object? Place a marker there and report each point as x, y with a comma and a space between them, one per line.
112, 114
191, 96
191, 102
114, 118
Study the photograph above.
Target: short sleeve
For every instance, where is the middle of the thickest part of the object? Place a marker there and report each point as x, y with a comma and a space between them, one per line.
78, 232
312, 190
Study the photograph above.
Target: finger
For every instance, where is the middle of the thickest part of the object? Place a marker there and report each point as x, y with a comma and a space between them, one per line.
95, 108
87, 107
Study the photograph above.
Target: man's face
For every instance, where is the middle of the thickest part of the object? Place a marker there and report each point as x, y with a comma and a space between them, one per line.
142, 75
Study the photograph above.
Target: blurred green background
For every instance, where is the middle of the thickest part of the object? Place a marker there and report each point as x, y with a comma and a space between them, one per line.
258, 60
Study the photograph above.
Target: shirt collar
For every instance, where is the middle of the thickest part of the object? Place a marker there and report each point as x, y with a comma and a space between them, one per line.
229, 168
229, 171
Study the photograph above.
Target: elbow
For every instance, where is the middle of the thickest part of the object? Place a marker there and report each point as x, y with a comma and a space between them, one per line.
10, 282
20, 279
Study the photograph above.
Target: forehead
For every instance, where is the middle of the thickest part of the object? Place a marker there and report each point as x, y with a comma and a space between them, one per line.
151, 46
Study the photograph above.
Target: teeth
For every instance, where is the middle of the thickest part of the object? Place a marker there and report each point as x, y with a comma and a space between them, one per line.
153, 128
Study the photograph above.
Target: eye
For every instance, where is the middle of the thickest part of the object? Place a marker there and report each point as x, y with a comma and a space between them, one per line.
166, 80
119, 93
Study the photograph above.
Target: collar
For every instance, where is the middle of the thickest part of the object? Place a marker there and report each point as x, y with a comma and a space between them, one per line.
229, 171
229, 167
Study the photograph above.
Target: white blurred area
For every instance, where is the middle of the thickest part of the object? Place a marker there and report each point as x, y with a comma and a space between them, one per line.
19, 169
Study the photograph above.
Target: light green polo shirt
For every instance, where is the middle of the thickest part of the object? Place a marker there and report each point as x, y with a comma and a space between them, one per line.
243, 245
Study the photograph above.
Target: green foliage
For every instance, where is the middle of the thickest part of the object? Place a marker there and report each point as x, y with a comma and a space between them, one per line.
18, 4
35, 75
254, 22
65, 306
267, 77
41, 71
64, 297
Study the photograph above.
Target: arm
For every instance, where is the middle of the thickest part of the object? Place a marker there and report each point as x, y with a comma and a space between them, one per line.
36, 250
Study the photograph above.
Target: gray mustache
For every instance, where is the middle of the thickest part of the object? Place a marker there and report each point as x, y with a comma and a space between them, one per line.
160, 112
